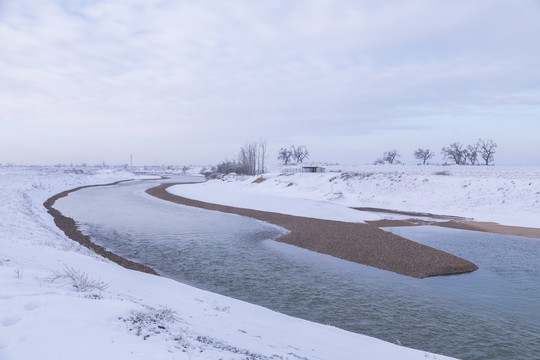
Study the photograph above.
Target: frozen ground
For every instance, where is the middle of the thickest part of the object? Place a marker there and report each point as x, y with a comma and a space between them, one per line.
60, 301
505, 195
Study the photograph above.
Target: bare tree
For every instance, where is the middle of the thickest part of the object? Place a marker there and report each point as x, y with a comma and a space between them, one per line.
487, 150
227, 167
472, 153
262, 155
300, 153
285, 155
247, 159
250, 161
251, 158
391, 156
456, 153
424, 155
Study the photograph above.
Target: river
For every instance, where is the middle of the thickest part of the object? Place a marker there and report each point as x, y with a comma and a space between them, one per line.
493, 313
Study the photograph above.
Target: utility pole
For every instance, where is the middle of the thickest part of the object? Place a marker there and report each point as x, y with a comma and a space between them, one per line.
131, 160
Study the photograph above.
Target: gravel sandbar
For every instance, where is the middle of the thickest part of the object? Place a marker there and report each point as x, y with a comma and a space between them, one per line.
362, 243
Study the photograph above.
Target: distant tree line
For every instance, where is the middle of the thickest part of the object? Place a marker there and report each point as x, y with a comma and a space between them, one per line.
252, 157
455, 152
295, 153
390, 157
250, 161
463, 155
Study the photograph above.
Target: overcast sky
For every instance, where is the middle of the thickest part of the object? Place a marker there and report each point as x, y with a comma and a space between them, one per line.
189, 82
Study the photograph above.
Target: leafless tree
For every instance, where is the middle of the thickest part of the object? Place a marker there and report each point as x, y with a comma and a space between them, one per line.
424, 155
227, 167
262, 155
472, 153
455, 152
250, 161
487, 150
391, 156
300, 153
285, 155
252, 157
247, 159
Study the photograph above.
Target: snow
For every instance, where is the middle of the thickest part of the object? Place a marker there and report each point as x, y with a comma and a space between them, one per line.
234, 194
504, 195
136, 315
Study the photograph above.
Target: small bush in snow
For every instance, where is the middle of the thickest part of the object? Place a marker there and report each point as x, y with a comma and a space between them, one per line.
150, 322
224, 308
79, 280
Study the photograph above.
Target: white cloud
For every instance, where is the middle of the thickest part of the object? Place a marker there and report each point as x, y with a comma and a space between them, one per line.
196, 73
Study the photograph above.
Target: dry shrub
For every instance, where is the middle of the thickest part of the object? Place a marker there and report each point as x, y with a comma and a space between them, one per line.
150, 322
78, 279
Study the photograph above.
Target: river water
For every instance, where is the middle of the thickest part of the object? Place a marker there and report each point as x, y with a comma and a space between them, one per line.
493, 313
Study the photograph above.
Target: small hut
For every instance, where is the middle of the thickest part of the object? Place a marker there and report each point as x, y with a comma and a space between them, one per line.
313, 169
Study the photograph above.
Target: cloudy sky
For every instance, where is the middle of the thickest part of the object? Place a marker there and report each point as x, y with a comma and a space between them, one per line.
189, 82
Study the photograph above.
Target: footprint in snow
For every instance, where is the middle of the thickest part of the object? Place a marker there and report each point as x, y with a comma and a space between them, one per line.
10, 320
31, 306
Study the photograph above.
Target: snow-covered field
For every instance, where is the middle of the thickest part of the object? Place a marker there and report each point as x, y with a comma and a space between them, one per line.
61, 301
505, 195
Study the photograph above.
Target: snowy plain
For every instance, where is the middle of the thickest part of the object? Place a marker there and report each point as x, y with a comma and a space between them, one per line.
130, 315
500, 194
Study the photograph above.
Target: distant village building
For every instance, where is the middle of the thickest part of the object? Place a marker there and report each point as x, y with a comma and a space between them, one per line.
313, 169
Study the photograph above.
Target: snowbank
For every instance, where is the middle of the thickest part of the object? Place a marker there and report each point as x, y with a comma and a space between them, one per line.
60, 301
505, 195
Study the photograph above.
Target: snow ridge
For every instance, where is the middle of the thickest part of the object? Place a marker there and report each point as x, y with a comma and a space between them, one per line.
505, 195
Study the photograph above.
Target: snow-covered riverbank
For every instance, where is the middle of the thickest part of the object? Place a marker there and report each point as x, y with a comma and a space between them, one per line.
115, 313
505, 195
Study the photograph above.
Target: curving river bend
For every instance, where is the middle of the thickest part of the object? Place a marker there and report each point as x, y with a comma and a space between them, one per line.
493, 313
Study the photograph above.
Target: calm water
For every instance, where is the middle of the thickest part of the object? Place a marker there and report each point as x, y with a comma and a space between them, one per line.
493, 313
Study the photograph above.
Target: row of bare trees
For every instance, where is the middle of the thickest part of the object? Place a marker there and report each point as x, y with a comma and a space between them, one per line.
391, 157
456, 152
295, 153
251, 160
469, 154
252, 156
